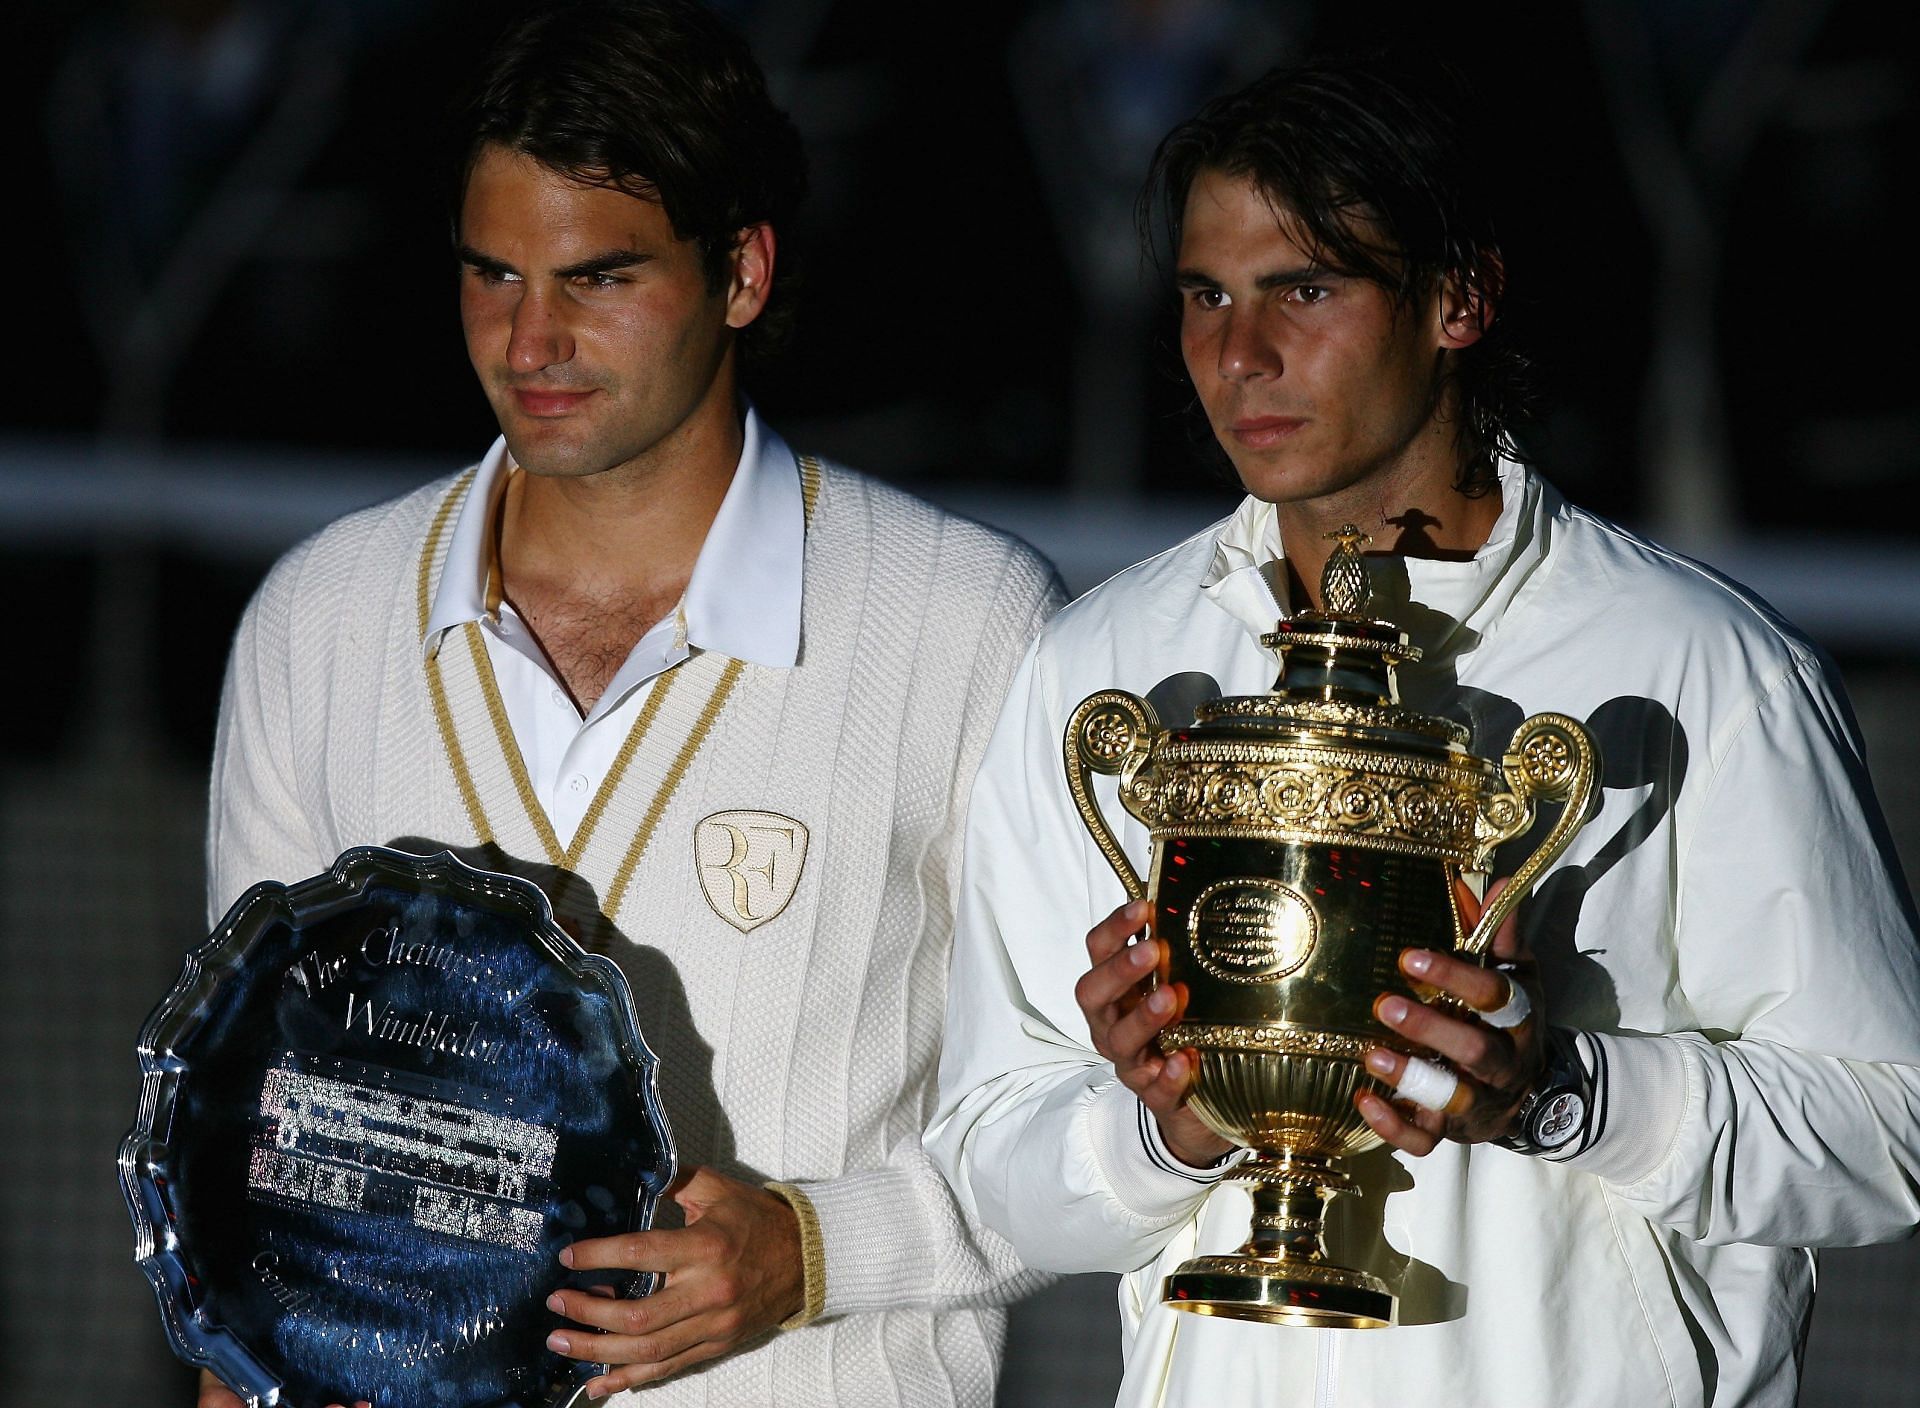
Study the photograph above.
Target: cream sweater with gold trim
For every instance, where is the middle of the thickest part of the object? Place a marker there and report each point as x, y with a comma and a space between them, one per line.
802, 1049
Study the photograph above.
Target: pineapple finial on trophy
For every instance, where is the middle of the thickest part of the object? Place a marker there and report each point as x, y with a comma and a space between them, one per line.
1341, 650
1344, 589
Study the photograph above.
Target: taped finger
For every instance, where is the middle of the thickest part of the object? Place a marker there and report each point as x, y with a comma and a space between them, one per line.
1427, 1084
1517, 1008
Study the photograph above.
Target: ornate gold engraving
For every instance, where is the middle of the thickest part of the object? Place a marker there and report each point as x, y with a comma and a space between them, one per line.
1251, 930
1401, 653
1285, 1041
1411, 805
1108, 734
1334, 712
1281, 967
1321, 836
1311, 1272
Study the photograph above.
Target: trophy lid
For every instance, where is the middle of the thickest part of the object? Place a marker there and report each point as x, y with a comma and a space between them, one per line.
1337, 666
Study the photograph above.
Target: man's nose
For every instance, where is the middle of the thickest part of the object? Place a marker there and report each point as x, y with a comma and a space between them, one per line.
540, 336
1247, 347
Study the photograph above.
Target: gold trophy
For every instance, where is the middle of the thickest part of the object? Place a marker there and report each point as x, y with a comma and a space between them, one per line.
1301, 840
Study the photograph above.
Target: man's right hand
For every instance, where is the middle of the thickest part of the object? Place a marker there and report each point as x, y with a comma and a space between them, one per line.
1126, 1017
214, 1394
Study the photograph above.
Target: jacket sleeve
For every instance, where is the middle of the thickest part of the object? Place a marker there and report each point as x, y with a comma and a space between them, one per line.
894, 1235
1791, 1117
257, 828
1040, 1140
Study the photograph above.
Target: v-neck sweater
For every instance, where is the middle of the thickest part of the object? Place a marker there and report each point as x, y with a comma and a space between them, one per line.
800, 1047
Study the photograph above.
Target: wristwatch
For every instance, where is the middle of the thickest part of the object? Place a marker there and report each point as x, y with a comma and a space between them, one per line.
1555, 1112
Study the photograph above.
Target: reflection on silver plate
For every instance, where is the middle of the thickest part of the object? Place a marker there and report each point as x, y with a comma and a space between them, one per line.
374, 1107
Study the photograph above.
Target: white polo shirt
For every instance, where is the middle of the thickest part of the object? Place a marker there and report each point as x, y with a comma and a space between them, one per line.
743, 601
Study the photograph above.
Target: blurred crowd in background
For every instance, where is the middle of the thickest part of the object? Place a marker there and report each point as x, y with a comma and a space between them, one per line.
230, 223
230, 227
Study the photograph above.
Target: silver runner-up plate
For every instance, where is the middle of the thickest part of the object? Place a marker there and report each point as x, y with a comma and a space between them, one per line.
373, 1109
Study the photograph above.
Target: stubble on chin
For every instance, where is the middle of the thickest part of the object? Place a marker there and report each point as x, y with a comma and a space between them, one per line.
549, 460
545, 453
548, 448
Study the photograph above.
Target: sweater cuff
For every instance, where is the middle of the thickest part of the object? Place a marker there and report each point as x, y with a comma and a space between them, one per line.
813, 1255
1145, 1176
1639, 1099
872, 1242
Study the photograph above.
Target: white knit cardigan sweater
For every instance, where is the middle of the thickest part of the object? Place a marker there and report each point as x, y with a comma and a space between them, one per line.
802, 1051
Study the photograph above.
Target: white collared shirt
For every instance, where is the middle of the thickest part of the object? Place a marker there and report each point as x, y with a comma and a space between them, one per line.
743, 600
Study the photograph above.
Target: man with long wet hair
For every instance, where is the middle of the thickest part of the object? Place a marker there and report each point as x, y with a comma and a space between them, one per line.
1603, 1168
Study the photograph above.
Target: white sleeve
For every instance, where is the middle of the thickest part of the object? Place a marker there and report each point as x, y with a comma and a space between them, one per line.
1037, 1136
256, 826
1792, 1117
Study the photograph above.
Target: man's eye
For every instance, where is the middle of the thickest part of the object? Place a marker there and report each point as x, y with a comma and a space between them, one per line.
1312, 293
1210, 298
601, 281
493, 277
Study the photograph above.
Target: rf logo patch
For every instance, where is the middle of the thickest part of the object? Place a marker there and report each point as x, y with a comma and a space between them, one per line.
749, 864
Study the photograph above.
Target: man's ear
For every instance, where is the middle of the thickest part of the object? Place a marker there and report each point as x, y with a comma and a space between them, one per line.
1467, 306
750, 276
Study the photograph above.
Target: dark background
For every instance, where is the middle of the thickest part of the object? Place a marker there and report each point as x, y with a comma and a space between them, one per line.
230, 315
944, 234
228, 230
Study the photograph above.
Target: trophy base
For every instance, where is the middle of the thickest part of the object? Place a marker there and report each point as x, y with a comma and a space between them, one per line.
1280, 1293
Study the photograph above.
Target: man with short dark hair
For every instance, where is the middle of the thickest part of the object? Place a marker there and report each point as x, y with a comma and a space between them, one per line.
1718, 978
722, 703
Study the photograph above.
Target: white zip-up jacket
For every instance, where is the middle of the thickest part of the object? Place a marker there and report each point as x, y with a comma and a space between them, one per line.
1731, 926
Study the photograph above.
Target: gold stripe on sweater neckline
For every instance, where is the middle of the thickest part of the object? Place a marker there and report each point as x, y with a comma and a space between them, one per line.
568, 858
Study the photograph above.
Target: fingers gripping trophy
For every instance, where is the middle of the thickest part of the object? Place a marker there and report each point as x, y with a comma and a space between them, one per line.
1301, 840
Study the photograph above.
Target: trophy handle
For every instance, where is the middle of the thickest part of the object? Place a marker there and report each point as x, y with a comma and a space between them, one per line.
1110, 733
1551, 756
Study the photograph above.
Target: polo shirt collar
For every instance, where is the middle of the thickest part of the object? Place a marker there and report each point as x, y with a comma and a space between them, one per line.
743, 599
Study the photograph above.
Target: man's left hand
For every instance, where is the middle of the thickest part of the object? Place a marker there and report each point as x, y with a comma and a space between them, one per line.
732, 1273
1496, 1067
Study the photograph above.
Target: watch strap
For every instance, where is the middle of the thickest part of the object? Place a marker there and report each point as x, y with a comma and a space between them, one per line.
1566, 1091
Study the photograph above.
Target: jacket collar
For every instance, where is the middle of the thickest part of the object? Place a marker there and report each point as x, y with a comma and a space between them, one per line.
1431, 600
